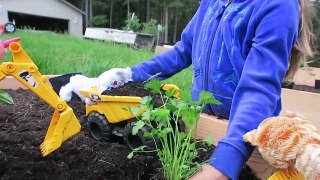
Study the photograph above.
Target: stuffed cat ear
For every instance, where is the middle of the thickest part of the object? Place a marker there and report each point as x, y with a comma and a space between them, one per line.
250, 137
113, 78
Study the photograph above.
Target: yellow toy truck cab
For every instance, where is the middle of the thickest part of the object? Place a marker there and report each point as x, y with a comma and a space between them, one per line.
108, 117
64, 123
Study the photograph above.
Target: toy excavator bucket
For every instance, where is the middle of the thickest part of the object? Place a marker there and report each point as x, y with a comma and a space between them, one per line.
286, 175
62, 126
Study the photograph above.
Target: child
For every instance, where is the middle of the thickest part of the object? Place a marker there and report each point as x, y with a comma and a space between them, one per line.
240, 52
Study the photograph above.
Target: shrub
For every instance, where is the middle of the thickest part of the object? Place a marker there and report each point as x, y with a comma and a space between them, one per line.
132, 23
150, 27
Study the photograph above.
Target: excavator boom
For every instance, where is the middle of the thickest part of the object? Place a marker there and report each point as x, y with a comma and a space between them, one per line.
64, 123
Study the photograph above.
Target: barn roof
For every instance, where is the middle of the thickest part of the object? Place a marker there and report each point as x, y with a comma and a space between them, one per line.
73, 7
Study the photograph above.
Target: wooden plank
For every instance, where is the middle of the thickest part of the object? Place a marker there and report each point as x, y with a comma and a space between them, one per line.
302, 102
307, 76
209, 125
292, 100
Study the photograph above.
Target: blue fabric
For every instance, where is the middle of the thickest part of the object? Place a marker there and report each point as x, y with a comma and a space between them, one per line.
239, 53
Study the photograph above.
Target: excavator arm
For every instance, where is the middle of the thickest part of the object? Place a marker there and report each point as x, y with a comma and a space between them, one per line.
64, 123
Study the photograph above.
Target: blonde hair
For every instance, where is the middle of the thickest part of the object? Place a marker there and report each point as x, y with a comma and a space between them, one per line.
303, 48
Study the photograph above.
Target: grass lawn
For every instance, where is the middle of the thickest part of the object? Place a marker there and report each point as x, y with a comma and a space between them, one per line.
60, 54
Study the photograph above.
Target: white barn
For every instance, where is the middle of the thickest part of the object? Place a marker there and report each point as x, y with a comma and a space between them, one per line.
48, 15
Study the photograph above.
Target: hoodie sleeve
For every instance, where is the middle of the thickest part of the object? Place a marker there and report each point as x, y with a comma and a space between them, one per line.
258, 93
169, 62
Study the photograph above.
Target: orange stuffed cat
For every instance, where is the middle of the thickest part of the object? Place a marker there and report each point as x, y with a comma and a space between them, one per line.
289, 142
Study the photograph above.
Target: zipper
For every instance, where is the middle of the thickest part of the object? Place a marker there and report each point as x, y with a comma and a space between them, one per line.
206, 73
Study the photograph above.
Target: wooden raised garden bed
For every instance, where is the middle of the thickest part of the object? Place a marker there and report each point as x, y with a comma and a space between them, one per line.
23, 126
306, 101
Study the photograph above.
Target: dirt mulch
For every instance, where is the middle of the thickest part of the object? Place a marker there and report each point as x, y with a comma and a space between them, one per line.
23, 127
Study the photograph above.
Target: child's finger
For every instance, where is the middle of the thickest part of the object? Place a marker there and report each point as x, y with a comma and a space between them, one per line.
2, 50
8, 41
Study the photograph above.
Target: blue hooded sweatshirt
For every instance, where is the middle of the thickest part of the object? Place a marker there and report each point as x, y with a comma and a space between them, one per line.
239, 52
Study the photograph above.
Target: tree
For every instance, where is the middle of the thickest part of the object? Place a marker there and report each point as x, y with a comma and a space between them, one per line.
176, 5
111, 13
148, 11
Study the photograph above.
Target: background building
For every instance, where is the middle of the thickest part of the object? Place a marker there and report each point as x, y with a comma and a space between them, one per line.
48, 15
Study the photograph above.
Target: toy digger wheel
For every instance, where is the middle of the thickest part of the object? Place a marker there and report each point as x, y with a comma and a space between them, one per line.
10, 27
99, 127
134, 141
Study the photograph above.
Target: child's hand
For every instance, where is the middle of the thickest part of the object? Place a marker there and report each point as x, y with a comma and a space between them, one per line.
2, 50
208, 172
5, 44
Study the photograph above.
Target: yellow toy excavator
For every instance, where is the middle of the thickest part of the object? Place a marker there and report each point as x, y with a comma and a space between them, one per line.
64, 123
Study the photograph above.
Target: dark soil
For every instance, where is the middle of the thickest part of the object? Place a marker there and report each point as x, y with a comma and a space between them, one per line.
23, 127
22, 130
135, 89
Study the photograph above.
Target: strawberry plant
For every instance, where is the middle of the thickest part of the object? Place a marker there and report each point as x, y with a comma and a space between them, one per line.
175, 148
5, 97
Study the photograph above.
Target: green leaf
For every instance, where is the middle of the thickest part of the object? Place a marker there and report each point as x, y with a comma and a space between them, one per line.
146, 115
137, 126
182, 135
207, 98
147, 134
134, 111
162, 113
190, 116
5, 97
176, 103
130, 155
171, 92
185, 95
154, 86
164, 132
209, 140
146, 100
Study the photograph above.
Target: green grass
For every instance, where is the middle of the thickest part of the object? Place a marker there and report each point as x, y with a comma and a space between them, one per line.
60, 54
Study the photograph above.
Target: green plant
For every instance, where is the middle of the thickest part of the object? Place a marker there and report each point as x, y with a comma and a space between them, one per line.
176, 149
132, 23
5, 97
150, 27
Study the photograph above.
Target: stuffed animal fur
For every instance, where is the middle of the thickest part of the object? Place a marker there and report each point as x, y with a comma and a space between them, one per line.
289, 142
